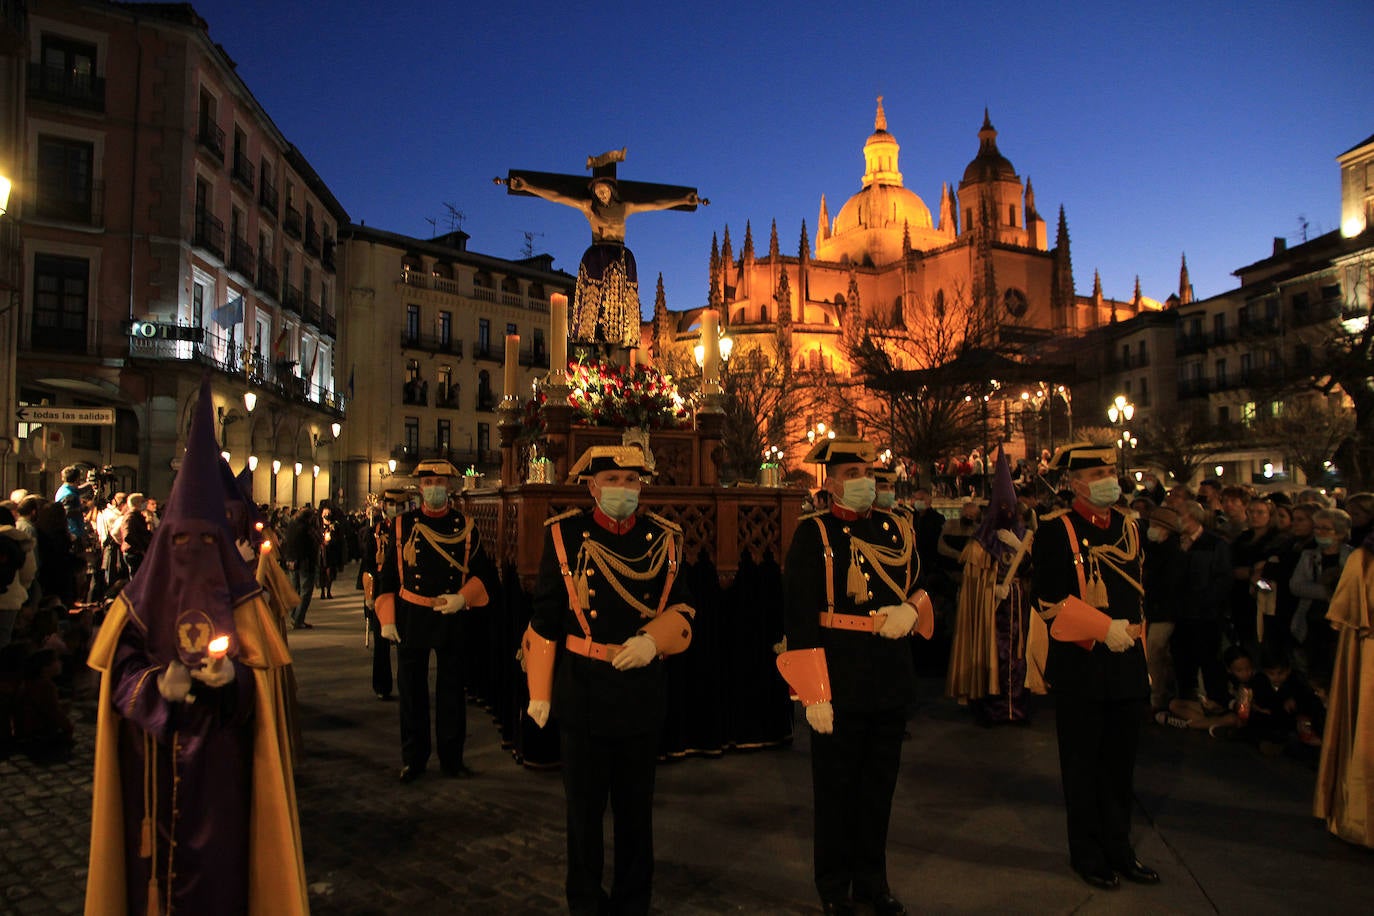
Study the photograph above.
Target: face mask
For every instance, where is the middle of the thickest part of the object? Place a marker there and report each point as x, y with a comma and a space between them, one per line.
618, 502
435, 497
885, 499
859, 494
1104, 492
1158, 535
1325, 541
920, 505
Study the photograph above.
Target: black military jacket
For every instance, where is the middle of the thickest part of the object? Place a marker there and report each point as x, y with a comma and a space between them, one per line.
1069, 667
589, 693
431, 556
865, 669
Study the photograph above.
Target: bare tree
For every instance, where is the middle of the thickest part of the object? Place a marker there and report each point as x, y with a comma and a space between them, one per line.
1349, 369
1180, 444
1309, 431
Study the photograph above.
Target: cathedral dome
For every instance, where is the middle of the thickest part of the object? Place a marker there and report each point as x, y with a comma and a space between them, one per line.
881, 206
989, 164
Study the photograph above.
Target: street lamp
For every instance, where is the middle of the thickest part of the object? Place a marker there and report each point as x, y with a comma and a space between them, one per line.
1120, 413
250, 400
276, 469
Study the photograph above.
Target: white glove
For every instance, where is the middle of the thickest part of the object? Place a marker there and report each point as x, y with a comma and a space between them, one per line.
821, 716
215, 672
1118, 637
637, 652
901, 620
1008, 537
538, 710
1001, 591
389, 632
174, 683
450, 604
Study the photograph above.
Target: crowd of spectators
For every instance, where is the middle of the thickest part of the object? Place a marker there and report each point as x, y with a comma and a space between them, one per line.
63, 559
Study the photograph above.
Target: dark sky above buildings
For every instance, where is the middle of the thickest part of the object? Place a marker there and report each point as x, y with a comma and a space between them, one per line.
1162, 128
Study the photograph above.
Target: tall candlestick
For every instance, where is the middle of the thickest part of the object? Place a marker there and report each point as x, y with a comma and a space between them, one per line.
710, 343
558, 333
512, 364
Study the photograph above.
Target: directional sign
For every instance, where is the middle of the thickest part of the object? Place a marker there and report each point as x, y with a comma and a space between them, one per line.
76, 416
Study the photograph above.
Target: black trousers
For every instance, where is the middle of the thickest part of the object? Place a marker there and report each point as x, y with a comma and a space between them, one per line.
620, 769
853, 776
1098, 740
381, 657
450, 703
1196, 646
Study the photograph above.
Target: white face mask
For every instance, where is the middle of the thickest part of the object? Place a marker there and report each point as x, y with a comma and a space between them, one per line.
435, 497
1104, 492
1158, 535
618, 502
920, 505
885, 499
859, 494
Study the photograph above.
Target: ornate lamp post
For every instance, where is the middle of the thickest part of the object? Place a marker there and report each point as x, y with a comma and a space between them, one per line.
1120, 413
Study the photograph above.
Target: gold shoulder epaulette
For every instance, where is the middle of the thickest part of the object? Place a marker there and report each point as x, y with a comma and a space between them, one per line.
815, 513
670, 525
560, 516
1055, 514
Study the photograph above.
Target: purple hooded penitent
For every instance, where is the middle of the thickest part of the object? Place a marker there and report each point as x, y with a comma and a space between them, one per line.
1001, 512
192, 577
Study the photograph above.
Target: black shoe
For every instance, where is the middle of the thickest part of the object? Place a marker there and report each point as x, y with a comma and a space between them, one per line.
302, 626
1102, 878
459, 771
838, 908
410, 774
1138, 872
885, 905
385, 697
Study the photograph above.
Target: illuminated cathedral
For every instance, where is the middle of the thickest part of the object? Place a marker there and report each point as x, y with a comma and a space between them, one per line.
884, 259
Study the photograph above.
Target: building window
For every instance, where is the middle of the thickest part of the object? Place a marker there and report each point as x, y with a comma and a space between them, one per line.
1245, 367
485, 401
445, 330
510, 328
125, 432
412, 444
61, 289
197, 305
1143, 354
1223, 415
763, 314
443, 436
484, 337
1143, 396
65, 179
1220, 373
537, 349
68, 68
412, 323
1011, 215
1219, 327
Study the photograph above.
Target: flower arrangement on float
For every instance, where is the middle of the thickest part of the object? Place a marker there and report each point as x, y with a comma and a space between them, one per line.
624, 397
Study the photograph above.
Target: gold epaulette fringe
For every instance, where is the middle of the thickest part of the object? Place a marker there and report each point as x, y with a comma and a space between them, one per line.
815, 513
670, 525
553, 520
1055, 514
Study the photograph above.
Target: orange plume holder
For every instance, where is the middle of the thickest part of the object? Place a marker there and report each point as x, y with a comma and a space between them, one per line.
806, 673
1076, 620
539, 654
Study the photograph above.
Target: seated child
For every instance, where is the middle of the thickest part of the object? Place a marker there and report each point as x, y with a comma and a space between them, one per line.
1240, 671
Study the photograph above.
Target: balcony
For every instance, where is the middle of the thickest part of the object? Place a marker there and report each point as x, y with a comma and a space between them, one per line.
327, 256
415, 392
291, 222
312, 238
267, 199
312, 312
432, 343
483, 350
291, 298
1191, 343
209, 233
213, 351
486, 401
243, 171
66, 87
535, 358
59, 198
1262, 327
448, 398
329, 324
241, 256
210, 137
9, 253
417, 280
269, 280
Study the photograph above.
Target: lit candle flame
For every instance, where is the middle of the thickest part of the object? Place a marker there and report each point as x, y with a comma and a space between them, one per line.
218, 646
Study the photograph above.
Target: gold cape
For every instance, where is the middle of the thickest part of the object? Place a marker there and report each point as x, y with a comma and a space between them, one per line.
276, 869
973, 665
1345, 777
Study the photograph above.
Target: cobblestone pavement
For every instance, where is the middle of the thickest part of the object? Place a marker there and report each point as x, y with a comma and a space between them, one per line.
977, 825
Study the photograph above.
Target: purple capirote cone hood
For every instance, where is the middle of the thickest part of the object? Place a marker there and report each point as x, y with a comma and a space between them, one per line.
192, 576
1001, 511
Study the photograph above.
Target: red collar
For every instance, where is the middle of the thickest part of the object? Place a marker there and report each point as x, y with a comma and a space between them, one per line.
430, 513
845, 513
1100, 517
610, 524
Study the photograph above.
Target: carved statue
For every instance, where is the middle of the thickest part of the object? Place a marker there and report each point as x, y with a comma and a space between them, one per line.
606, 301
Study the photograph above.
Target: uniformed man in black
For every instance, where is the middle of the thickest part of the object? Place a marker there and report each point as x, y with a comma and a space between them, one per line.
375, 543
850, 601
434, 568
1087, 582
610, 604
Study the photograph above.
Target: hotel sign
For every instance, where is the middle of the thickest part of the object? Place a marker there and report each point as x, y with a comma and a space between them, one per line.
158, 330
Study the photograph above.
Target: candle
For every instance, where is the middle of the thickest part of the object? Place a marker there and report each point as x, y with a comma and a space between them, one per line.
710, 343
512, 363
558, 332
218, 647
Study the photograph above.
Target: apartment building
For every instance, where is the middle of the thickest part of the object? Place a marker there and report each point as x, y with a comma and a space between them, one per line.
167, 228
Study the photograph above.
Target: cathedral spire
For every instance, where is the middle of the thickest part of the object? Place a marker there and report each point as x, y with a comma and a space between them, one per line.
906, 237
773, 242
1031, 212
1136, 297
1185, 286
1061, 288
661, 325
823, 223
1097, 287
880, 119
880, 154
748, 253
804, 245
713, 294
946, 224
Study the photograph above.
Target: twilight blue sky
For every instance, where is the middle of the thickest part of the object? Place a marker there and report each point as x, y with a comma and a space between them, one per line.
1162, 128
